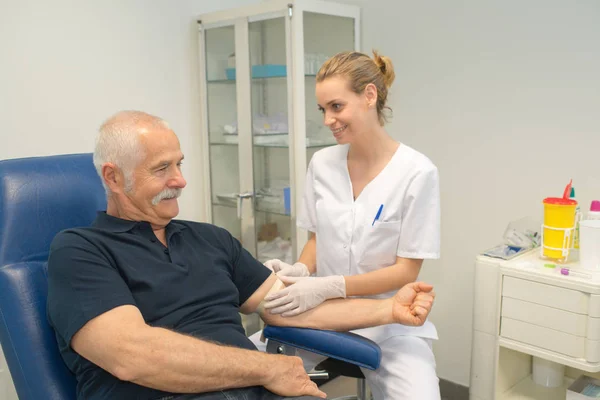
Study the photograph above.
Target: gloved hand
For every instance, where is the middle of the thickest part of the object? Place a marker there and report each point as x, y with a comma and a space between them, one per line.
285, 269
304, 293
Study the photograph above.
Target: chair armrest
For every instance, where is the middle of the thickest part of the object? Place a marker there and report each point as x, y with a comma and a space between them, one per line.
345, 346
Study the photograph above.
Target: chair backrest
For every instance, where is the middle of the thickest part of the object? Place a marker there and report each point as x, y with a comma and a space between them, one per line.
39, 197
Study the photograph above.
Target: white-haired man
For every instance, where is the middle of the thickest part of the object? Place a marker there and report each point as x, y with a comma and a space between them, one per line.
147, 307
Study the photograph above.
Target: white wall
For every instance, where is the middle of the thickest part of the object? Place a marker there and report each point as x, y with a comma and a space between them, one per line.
504, 96
66, 65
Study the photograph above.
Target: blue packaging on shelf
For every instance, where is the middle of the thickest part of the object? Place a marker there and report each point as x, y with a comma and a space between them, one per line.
287, 203
261, 71
268, 70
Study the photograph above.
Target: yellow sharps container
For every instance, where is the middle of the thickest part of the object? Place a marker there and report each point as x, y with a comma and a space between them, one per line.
559, 228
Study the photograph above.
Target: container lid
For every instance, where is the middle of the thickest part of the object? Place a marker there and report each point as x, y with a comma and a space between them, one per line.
595, 206
559, 201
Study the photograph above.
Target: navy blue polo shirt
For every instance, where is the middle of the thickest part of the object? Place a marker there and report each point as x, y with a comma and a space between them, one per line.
195, 286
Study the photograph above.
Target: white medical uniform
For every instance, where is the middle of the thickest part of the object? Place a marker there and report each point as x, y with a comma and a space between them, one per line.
351, 240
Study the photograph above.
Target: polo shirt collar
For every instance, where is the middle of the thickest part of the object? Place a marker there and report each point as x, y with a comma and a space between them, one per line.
118, 225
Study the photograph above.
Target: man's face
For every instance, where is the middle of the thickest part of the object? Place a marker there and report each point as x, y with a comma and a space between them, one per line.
157, 179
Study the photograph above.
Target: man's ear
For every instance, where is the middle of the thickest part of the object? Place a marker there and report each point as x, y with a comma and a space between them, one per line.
371, 95
113, 177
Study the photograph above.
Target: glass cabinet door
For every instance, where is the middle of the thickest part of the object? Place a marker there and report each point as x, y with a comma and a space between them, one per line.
324, 36
268, 231
273, 158
229, 147
261, 124
270, 138
219, 44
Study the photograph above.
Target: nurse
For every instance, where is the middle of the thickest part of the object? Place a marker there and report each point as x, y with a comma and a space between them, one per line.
372, 206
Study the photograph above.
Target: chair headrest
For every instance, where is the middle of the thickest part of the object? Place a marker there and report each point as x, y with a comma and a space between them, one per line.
39, 197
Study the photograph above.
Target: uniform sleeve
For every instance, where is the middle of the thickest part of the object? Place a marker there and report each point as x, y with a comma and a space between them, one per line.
82, 284
420, 231
307, 215
248, 273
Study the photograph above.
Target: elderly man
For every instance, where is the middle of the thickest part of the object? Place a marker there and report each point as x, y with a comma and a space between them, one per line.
147, 307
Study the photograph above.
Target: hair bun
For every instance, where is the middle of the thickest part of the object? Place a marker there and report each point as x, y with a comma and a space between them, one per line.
386, 67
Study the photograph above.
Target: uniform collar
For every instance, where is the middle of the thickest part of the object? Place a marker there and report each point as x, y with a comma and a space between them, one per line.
118, 225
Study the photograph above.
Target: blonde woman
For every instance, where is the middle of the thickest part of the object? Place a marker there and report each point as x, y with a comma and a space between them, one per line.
372, 206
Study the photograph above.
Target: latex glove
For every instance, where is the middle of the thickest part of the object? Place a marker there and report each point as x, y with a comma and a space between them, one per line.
412, 303
285, 269
304, 293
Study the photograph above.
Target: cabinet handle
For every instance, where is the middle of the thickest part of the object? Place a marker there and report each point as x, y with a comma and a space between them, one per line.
241, 197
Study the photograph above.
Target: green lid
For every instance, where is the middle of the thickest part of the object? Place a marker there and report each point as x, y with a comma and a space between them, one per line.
572, 195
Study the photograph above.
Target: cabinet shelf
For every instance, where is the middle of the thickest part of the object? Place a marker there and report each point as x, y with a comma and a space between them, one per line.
549, 355
275, 140
256, 79
275, 146
257, 209
527, 389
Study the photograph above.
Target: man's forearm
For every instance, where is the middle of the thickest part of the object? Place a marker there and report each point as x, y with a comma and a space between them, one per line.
338, 315
172, 362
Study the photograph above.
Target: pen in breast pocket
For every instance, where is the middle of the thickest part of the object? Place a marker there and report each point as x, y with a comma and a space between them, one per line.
378, 214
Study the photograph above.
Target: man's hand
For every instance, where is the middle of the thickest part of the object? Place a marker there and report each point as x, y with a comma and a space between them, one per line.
290, 379
412, 303
304, 294
285, 269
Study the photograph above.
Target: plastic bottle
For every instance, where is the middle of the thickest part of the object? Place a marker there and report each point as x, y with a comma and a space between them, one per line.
594, 212
578, 216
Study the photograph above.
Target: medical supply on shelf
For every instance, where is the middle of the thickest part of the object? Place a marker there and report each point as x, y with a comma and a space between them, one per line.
594, 212
547, 373
260, 71
231, 61
263, 125
584, 388
524, 232
519, 236
504, 252
276, 248
570, 272
313, 63
589, 252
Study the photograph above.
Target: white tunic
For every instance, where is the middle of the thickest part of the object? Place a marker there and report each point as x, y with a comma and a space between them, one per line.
352, 241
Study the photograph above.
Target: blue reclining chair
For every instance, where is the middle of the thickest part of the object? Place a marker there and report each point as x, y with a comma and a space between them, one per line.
346, 352
41, 196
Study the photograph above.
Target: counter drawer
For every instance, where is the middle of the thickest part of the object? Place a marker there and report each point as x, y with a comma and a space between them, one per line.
545, 338
546, 295
544, 316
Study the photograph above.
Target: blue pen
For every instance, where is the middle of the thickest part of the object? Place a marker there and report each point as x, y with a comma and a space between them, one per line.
378, 214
